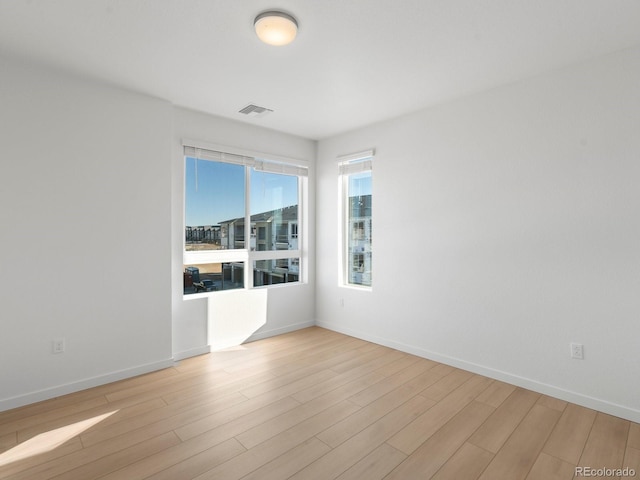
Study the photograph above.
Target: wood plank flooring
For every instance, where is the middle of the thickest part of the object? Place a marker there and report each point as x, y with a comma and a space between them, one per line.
312, 404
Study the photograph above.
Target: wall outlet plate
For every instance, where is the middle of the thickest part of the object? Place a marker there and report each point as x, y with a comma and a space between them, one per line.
577, 351
58, 345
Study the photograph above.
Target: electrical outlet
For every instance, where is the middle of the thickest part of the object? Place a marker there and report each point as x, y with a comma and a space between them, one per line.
577, 351
58, 345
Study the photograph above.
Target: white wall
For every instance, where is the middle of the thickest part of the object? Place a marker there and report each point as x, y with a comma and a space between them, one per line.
288, 307
85, 219
506, 225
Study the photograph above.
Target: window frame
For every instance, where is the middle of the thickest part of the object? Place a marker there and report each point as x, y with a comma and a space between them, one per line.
256, 161
348, 165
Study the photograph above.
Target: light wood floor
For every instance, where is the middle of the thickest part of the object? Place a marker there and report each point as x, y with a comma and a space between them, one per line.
312, 404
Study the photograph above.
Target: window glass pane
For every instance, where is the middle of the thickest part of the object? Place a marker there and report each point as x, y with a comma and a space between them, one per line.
274, 211
211, 277
271, 272
359, 232
214, 205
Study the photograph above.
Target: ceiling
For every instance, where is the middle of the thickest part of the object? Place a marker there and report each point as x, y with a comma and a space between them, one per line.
355, 62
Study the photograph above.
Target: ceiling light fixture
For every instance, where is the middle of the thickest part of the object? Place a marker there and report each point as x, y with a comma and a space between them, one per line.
276, 28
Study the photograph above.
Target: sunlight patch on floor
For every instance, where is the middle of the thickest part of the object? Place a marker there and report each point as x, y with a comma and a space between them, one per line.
45, 442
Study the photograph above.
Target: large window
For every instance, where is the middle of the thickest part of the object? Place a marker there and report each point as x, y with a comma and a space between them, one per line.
241, 213
357, 237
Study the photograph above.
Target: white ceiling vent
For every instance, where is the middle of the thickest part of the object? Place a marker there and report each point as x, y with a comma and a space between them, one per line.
255, 110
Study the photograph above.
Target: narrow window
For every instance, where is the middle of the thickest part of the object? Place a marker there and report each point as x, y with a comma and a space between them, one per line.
357, 238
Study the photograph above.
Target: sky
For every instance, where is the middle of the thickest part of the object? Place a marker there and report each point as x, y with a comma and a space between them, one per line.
360, 184
214, 192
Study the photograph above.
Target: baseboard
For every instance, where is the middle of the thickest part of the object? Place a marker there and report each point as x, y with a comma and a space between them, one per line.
57, 391
280, 331
232, 342
551, 390
194, 352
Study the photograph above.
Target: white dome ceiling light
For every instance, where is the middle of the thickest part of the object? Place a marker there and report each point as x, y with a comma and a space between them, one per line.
276, 28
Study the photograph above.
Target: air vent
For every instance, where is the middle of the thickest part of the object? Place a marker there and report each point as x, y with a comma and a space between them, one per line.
255, 110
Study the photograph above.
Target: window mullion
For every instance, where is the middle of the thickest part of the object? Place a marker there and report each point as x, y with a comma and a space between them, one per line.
345, 229
299, 226
248, 270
